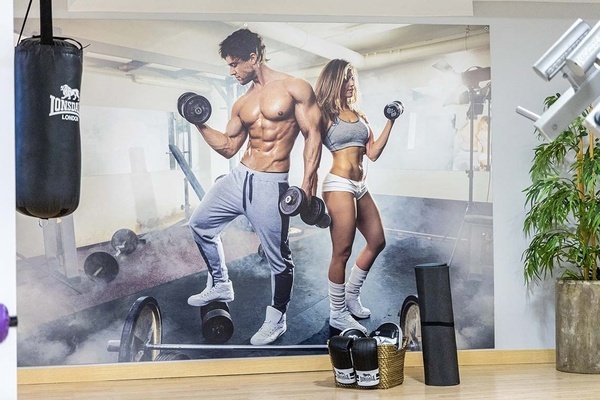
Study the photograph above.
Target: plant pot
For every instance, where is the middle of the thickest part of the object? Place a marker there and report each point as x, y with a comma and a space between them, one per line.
578, 326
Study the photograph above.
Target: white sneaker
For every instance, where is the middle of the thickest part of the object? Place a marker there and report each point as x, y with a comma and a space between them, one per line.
356, 308
221, 291
343, 320
273, 327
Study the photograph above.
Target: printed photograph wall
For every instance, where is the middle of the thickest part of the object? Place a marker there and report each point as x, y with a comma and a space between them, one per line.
129, 239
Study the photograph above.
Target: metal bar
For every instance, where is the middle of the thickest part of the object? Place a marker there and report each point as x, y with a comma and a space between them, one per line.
235, 347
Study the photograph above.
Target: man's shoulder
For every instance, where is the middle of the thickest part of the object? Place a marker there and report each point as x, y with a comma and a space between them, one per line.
297, 86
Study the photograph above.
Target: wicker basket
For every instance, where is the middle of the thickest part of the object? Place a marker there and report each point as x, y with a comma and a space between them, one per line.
391, 367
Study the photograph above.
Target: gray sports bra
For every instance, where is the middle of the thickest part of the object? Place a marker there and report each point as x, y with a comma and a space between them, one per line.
342, 134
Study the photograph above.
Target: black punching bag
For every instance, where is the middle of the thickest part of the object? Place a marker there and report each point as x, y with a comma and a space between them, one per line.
440, 358
48, 73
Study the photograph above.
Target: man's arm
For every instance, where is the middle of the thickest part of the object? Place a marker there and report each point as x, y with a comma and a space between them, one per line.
229, 143
308, 117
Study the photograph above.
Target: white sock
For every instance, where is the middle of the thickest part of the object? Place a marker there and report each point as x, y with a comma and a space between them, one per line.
356, 280
337, 298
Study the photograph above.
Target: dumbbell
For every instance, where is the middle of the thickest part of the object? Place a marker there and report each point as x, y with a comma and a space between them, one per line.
195, 108
101, 266
6, 321
293, 202
316, 214
393, 109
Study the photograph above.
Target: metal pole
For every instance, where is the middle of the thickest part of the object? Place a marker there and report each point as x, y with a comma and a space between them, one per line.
235, 347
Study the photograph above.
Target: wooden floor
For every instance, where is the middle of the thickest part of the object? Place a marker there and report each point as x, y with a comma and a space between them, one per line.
525, 381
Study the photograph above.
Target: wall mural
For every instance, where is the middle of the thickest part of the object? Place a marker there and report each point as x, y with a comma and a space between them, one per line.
129, 242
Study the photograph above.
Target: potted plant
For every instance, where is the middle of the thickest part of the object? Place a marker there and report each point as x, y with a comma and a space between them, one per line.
563, 222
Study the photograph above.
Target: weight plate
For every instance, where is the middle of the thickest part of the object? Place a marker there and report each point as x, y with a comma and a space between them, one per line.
324, 222
101, 266
410, 322
393, 110
313, 214
170, 355
197, 109
291, 201
181, 101
217, 326
124, 241
215, 305
143, 326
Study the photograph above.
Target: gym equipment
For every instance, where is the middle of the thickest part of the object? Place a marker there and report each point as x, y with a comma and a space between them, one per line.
410, 322
141, 339
316, 214
393, 110
440, 358
6, 321
101, 266
217, 326
195, 108
124, 241
388, 333
48, 73
366, 363
341, 359
293, 202
187, 171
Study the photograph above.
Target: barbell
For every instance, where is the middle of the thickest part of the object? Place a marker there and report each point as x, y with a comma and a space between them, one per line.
141, 338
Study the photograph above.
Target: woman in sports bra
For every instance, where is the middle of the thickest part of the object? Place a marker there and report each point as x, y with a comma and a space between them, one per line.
349, 138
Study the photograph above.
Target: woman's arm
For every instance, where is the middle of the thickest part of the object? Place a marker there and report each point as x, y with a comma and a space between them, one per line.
375, 147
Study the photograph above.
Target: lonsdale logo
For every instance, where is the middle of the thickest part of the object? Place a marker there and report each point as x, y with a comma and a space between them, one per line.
67, 106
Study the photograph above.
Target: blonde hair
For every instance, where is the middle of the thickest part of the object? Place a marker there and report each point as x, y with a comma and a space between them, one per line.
328, 88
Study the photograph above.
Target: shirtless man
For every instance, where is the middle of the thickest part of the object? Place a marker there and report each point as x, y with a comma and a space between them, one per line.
270, 115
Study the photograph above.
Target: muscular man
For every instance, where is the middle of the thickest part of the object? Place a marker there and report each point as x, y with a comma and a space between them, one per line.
270, 115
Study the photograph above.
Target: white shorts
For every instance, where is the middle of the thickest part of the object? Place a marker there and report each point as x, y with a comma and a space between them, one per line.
336, 183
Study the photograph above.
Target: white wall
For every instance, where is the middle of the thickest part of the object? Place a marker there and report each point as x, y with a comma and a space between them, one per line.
523, 320
519, 35
8, 349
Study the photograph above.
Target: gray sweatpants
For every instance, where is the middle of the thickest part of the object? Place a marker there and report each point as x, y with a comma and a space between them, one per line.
255, 195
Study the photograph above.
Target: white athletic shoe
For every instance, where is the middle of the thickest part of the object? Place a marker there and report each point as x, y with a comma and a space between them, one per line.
273, 327
221, 291
343, 320
356, 308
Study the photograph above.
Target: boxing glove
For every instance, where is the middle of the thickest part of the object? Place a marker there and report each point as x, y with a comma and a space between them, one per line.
366, 365
388, 333
339, 351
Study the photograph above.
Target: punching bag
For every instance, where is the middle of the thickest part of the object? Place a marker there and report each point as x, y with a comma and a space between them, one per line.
48, 72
